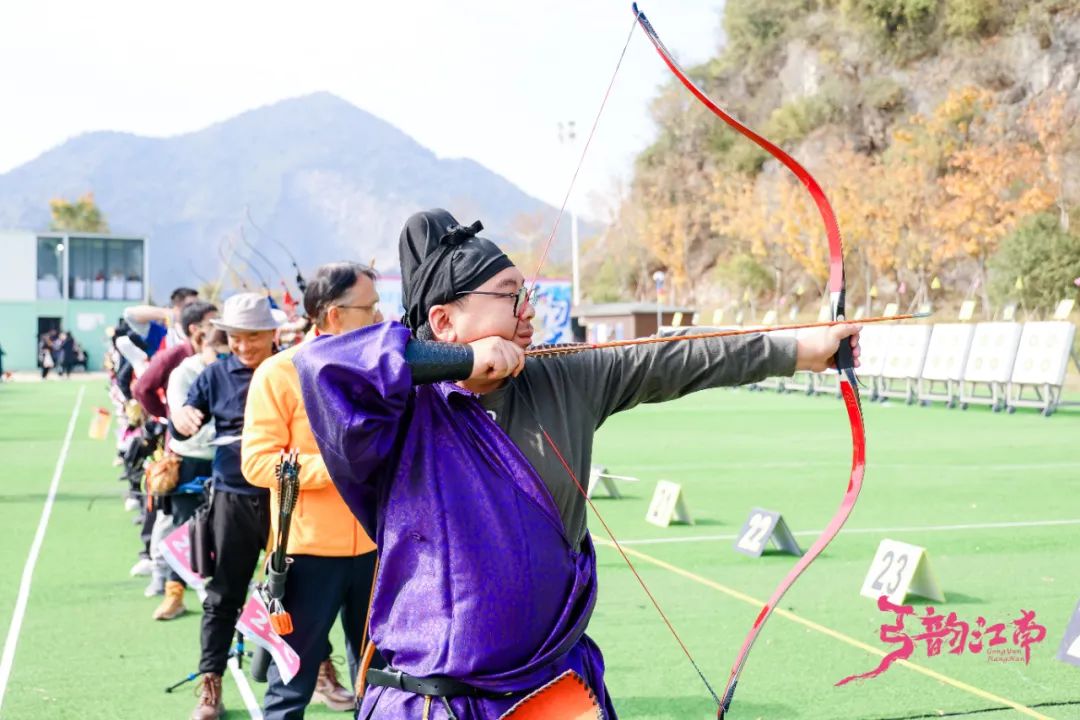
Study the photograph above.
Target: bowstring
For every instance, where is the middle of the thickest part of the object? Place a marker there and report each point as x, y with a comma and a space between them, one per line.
536, 418
581, 161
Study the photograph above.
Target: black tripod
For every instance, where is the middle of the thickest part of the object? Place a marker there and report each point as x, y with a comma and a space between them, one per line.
237, 652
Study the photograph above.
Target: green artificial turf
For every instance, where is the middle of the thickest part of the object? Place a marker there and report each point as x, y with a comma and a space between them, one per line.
88, 648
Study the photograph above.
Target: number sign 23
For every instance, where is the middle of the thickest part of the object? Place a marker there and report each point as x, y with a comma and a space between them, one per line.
900, 569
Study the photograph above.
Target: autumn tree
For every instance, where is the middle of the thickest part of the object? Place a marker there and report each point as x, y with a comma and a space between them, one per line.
82, 215
1043, 257
1058, 139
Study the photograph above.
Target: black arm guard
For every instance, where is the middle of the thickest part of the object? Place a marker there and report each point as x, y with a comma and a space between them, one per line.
436, 361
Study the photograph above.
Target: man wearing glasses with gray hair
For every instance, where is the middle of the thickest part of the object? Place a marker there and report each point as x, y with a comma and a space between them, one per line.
332, 558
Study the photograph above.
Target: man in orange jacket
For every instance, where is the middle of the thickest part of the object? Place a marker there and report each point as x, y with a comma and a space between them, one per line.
333, 560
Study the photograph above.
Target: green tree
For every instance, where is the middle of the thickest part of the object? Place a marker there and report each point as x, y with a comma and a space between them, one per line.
82, 215
1044, 257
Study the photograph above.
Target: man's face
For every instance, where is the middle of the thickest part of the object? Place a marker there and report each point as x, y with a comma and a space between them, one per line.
357, 308
478, 315
197, 333
251, 348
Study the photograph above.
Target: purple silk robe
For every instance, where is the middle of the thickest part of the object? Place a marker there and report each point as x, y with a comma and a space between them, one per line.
477, 578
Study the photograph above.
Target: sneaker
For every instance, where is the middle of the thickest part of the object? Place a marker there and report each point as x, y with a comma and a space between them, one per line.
131, 504
329, 691
210, 706
173, 604
145, 566
156, 586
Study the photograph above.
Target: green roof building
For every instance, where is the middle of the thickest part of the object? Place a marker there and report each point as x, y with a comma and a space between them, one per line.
79, 282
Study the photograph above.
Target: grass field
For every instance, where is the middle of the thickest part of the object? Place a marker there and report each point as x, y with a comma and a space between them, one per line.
951, 482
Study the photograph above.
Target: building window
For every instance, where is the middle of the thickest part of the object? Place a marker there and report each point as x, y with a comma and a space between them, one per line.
49, 268
105, 269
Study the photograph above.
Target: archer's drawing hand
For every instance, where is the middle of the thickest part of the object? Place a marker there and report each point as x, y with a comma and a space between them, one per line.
495, 358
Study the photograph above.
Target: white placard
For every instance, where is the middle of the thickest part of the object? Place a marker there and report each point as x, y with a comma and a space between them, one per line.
967, 310
760, 527
600, 477
1061, 312
907, 351
898, 570
1069, 650
948, 351
668, 505
1043, 355
890, 309
993, 350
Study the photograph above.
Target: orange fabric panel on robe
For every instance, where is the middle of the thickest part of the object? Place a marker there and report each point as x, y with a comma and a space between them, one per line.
567, 697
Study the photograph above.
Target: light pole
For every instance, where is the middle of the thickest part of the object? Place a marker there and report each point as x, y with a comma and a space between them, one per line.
62, 271
567, 136
658, 278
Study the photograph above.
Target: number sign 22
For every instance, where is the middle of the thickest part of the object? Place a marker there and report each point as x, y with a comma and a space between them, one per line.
761, 527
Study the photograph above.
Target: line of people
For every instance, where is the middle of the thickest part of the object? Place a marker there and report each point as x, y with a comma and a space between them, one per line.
210, 399
438, 439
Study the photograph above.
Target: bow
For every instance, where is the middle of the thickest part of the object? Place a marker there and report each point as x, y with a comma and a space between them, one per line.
844, 361
300, 282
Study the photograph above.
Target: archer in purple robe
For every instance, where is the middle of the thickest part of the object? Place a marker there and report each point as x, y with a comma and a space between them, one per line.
487, 573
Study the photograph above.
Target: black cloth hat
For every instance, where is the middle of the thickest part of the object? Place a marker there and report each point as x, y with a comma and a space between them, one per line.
440, 259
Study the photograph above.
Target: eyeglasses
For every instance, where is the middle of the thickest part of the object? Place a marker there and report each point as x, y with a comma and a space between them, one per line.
520, 296
368, 308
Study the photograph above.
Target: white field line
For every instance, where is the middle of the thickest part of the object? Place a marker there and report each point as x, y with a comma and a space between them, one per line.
246, 693
865, 531
7, 660
722, 466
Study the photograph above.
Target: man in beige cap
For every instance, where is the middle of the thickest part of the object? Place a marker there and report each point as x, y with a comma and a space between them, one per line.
239, 512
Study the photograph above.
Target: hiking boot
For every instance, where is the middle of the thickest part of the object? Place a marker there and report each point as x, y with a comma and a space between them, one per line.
210, 706
330, 692
173, 604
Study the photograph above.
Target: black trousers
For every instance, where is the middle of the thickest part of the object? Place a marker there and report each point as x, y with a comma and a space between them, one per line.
241, 524
317, 589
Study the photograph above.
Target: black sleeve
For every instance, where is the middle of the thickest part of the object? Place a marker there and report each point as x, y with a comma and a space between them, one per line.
432, 362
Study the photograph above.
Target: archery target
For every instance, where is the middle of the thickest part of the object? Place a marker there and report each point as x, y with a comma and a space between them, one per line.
948, 351
993, 350
907, 351
874, 344
1043, 356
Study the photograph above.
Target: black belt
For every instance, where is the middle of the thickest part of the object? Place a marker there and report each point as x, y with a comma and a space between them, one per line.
438, 686
434, 685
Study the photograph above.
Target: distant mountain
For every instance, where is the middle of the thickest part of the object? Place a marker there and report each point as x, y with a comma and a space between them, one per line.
329, 179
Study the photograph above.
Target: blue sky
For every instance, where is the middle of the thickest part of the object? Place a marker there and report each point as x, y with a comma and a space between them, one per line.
511, 70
